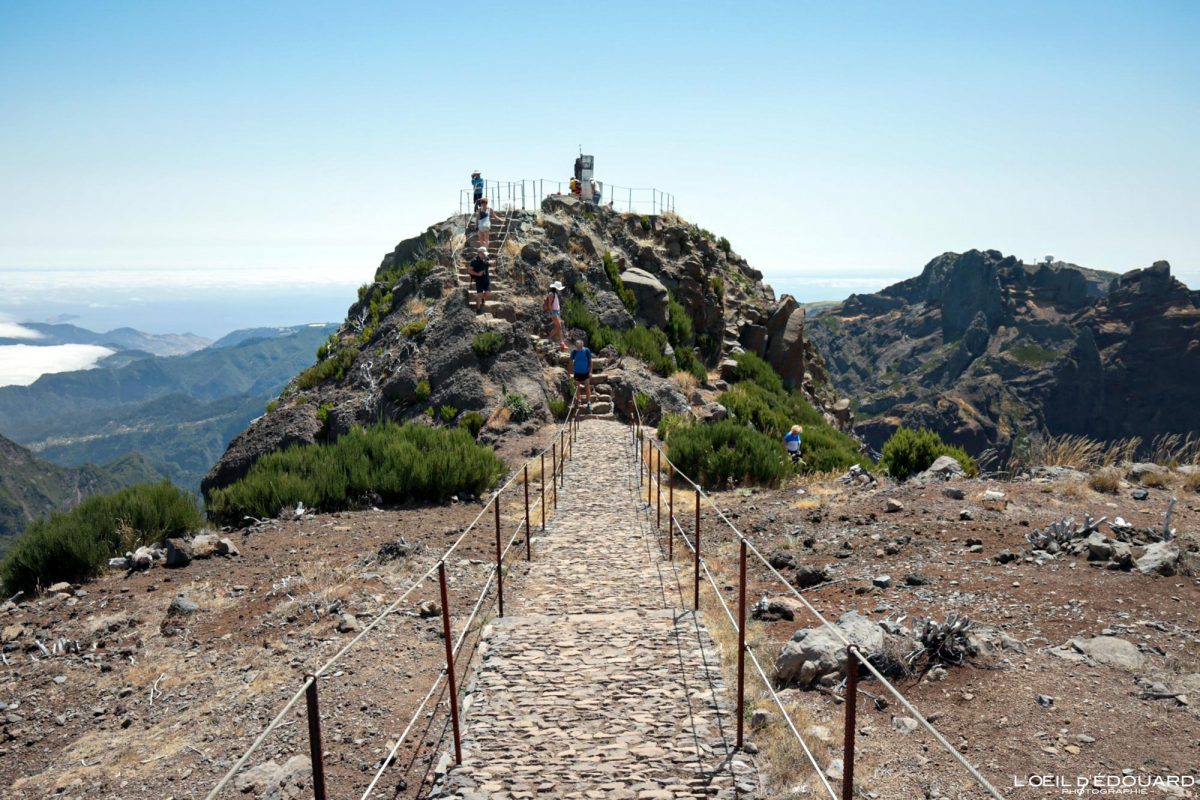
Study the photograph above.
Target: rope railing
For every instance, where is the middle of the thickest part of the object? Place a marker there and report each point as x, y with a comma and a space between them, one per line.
653, 476
560, 449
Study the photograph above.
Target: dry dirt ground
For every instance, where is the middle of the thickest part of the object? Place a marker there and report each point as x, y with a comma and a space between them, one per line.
120, 709
1101, 721
128, 711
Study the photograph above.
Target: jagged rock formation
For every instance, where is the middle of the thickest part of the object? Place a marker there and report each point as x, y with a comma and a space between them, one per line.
409, 347
985, 349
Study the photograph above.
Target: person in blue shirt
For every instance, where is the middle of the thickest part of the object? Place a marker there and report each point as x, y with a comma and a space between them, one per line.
581, 363
791, 440
477, 186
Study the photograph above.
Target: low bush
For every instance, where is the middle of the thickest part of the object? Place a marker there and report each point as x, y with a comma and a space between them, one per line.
752, 368
396, 463
323, 412
908, 452
648, 344
724, 244
519, 407
423, 391
76, 545
727, 452
1191, 482
448, 413
717, 284
411, 329
685, 382
487, 344
1105, 481
272, 405
669, 424
559, 406
1154, 480
628, 299
472, 421
335, 367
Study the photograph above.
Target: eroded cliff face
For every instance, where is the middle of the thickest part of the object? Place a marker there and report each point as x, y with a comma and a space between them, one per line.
407, 349
984, 349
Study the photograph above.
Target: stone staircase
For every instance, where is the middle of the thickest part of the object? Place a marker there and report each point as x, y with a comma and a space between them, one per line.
602, 391
500, 306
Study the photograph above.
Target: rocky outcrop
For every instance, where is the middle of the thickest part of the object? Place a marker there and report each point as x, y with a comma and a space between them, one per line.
410, 346
984, 349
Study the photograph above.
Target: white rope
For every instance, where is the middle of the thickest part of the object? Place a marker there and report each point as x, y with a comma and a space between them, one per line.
392, 753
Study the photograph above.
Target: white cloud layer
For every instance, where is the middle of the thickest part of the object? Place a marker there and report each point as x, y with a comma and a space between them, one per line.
22, 364
15, 330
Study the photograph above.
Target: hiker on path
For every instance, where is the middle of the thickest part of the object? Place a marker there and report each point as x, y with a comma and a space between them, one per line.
552, 305
477, 187
481, 270
791, 440
581, 363
484, 215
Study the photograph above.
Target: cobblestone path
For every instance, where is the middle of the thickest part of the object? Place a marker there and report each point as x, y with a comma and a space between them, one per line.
598, 683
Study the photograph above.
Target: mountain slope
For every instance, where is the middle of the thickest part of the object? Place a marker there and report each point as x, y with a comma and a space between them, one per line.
179, 412
987, 350
641, 289
31, 488
169, 344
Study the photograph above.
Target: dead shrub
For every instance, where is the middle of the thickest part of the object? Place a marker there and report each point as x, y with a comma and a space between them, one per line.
1155, 480
685, 382
1191, 482
1106, 481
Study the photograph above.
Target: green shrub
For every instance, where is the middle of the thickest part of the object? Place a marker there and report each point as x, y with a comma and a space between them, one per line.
614, 276
559, 406
422, 268
645, 220
397, 463
335, 367
423, 391
323, 412
679, 325
649, 345
519, 407
76, 545
448, 413
576, 315
723, 243
642, 401
272, 405
685, 359
752, 368
487, 343
472, 421
717, 284
669, 424
327, 347
908, 452
727, 452
1033, 354
411, 329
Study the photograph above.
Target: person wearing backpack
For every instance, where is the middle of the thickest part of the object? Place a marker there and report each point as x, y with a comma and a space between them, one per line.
581, 364
477, 187
552, 305
481, 270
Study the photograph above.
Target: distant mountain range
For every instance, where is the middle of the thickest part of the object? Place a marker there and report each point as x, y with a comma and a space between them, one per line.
988, 351
31, 488
178, 412
168, 344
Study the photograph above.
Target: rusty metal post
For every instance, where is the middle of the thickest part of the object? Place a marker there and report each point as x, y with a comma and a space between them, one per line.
649, 483
562, 446
554, 471
316, 750
450, 663
696, 598
528, 532
851, 723
499, 557
741, 686
543, 484
671, 516
658, 492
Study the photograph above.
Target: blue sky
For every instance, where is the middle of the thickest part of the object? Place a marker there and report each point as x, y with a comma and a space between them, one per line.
836, 145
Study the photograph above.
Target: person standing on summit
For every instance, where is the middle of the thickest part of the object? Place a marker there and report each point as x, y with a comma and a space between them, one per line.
477, 187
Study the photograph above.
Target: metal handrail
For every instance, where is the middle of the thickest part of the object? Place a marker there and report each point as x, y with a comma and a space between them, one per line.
528, 194
310, 679
837, 632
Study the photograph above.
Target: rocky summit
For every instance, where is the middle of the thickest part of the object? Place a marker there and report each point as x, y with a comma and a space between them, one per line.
985, 349
413, 344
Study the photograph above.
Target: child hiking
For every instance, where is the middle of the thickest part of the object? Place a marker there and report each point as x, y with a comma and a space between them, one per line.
791, 440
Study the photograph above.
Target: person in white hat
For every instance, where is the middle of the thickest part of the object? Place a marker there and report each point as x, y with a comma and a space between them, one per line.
552, 305
481, 270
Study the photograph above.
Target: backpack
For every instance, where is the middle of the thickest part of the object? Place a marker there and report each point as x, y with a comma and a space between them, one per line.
547, 303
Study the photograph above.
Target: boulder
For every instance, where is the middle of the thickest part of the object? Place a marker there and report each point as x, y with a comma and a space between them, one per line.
226, 547
816, 655
810, 575
205, 545
1136, 472
652, 297
1110, 651
278, 430
1160, 558
179, 552
785, 345
270, 781
944, 468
